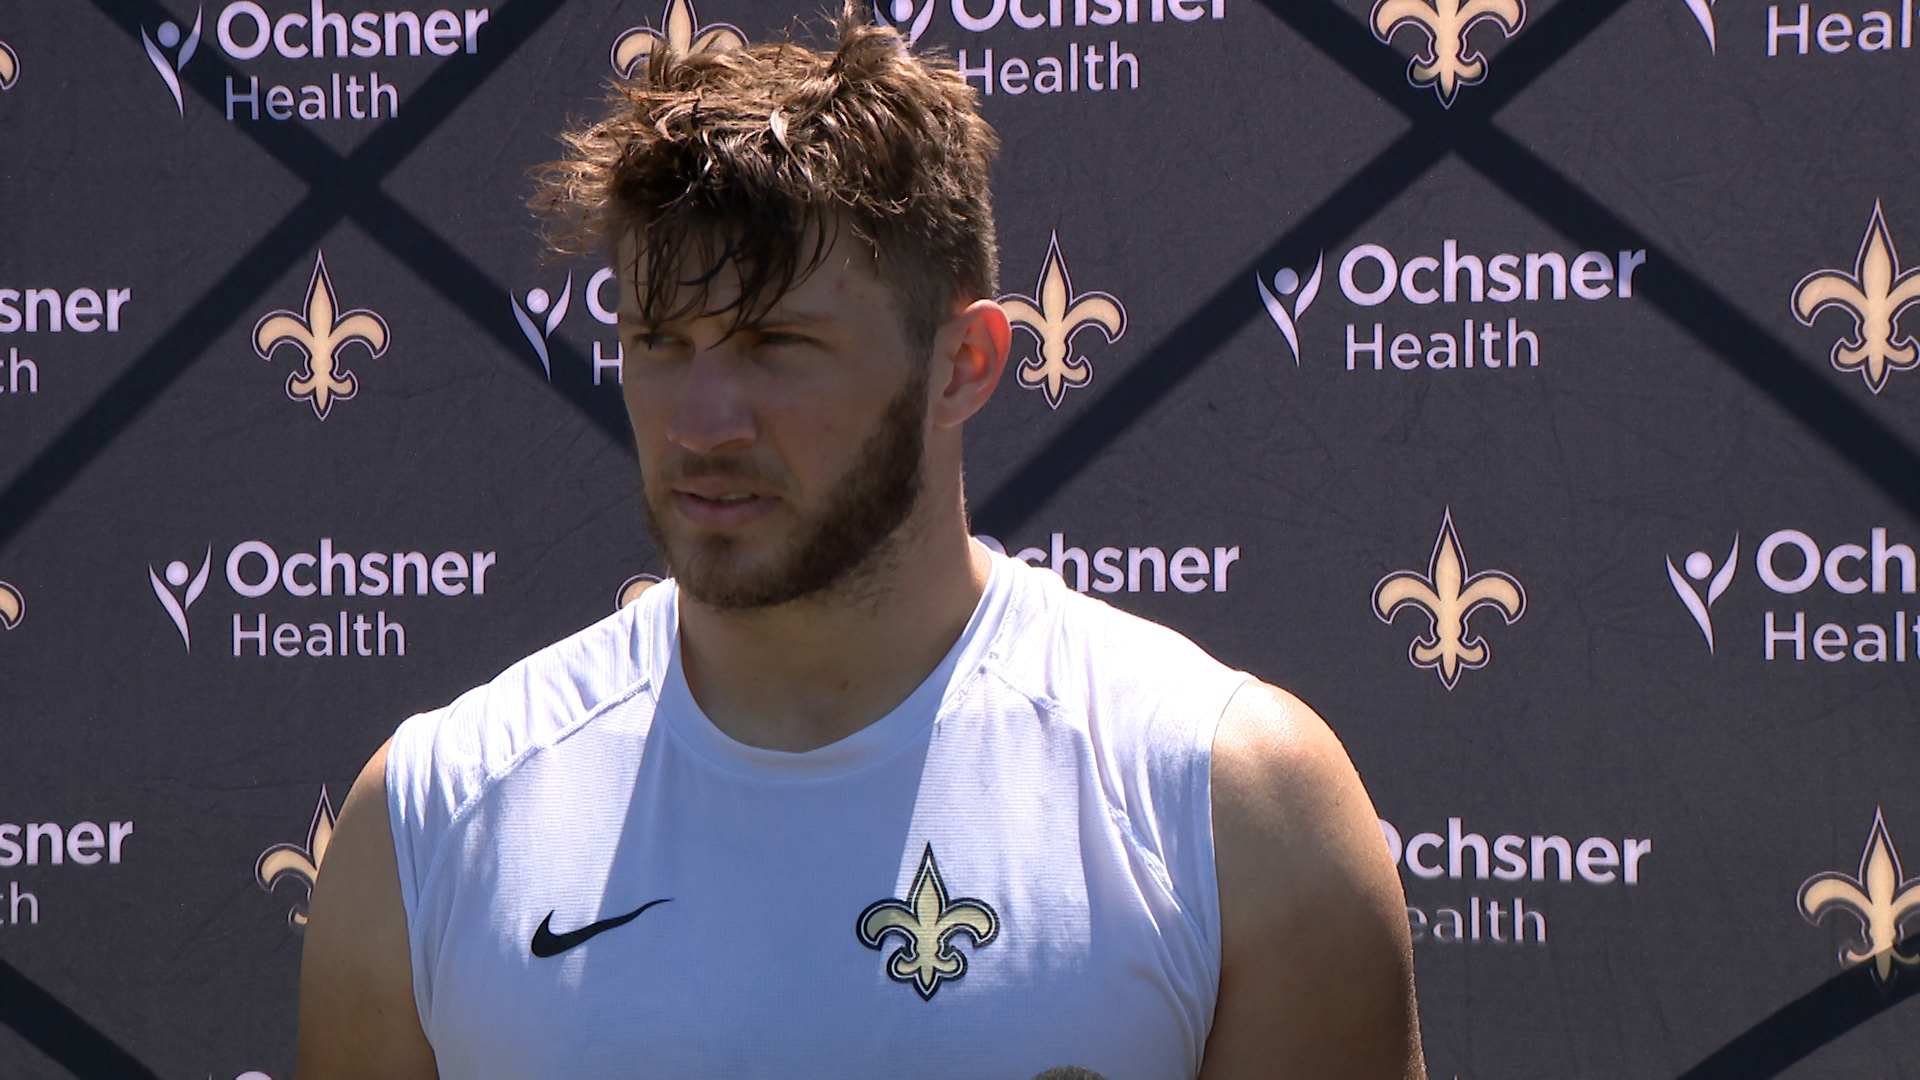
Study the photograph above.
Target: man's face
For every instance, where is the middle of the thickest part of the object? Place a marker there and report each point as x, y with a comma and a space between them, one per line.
778, 461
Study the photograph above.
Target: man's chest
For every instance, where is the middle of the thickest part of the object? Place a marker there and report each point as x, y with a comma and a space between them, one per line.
959, 924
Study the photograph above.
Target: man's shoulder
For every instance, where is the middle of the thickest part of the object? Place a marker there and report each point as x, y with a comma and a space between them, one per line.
1072, 647
1266, 734
533, 704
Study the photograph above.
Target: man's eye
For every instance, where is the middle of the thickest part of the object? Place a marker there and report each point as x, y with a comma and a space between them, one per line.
778, 338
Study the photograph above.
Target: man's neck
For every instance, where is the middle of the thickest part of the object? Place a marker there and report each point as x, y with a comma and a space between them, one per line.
809, 673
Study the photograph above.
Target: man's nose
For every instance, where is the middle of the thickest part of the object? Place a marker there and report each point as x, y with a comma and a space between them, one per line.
713, 413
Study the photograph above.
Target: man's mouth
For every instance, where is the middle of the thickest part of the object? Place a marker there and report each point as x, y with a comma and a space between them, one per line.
721, 509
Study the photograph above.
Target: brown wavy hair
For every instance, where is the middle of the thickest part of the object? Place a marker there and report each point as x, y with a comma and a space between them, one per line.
752, 158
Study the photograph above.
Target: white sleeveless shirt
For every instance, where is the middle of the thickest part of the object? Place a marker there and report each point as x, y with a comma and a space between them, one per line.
1011, 871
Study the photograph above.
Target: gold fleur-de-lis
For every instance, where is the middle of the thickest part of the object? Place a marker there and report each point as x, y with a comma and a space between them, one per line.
300, 863
1448, 62
680, 31
1053, 315
1874, 295
320, 335
9, 67
13, 606
1448, 595
928, 922
1879, 898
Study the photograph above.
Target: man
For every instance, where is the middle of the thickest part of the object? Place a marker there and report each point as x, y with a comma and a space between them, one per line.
850, 795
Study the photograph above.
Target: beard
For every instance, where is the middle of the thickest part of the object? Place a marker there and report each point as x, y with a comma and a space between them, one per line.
845, 539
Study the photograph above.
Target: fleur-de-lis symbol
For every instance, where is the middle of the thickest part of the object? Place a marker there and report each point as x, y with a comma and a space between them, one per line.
13, 606
300, 863
1053, 315
680, 31
1879, 898
1448, 62
1874, 295
9, 67
1449, 596
320, 335
928, 921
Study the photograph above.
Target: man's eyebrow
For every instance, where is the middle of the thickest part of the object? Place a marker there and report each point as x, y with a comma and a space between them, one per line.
779, 316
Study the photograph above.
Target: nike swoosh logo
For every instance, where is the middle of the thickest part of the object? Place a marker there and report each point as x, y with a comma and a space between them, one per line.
547, 943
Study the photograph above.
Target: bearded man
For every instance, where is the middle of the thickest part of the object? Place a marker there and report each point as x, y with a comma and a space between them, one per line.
849, 795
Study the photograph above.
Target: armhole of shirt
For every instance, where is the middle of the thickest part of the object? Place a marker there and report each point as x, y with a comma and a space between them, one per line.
407, 754
1198, 876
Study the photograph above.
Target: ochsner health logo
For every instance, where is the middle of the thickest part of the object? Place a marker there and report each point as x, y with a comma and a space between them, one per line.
324, 54
540, 303
1837, 613
1286, 283
903, 16
170, 54
541, 312
178, 576
1703, 14
911, 17
1793, 30
319, 597
1699, 568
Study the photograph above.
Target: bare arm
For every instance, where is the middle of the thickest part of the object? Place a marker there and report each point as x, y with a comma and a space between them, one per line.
1316, 975
358, 1020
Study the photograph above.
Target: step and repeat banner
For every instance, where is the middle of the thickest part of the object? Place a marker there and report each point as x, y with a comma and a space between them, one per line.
1527, 385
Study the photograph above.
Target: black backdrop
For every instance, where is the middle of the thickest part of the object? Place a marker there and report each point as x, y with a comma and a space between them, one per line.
1618, 803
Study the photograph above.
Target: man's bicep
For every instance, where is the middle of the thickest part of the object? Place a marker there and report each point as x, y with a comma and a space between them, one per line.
1317, 968
357, 1013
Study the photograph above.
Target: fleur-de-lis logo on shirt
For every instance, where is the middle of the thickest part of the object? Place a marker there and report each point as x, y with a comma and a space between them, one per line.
1879, 898
1053, 315
1448, 595
680, 32
1875, 294
1448, 62
928, 922
13, 606
320, 334
9, 67
299, 863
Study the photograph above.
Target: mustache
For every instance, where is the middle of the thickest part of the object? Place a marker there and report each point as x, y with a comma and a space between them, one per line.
726, 466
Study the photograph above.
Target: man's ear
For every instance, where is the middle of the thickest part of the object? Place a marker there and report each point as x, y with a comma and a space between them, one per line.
969, 354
